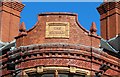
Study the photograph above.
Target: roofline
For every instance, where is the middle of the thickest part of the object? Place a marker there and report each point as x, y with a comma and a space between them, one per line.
52, 45
60, 13
61, 45
8, 45
57, 13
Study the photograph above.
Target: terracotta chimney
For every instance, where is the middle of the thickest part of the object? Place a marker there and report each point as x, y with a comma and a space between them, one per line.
9, 20
109, 19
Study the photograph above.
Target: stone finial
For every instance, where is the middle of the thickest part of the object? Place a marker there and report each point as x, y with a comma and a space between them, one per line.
93, 28
22, 27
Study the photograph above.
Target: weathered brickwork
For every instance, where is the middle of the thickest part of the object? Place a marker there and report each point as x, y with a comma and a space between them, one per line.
109, 19
62, 55
77, 34
9, 20
67, 49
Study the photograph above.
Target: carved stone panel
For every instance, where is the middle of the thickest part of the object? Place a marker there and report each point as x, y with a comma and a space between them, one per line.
57, 30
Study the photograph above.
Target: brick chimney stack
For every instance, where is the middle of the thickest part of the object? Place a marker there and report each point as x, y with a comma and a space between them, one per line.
9, 20
109, 19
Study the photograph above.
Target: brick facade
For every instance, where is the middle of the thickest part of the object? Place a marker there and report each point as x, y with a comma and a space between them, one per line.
36, 35
73, 50
109, 19
10, 19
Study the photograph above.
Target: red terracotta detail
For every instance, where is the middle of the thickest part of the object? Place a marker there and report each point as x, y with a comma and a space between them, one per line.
93, 28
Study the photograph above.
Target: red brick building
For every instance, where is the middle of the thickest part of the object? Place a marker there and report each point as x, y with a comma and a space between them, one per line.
57, 45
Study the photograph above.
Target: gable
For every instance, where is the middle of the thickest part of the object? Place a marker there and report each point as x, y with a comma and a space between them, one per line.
57, 28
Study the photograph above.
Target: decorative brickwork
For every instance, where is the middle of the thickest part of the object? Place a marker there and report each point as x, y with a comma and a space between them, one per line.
62, 55
109, 19
37, 35
14, 5
59, 44
9, 20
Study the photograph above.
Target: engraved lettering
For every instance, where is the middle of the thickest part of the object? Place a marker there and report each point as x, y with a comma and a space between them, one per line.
57, 30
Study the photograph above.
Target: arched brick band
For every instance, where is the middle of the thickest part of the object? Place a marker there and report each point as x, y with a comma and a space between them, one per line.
60, 54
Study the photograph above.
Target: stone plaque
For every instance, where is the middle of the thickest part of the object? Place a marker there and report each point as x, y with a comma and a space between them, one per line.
57, 30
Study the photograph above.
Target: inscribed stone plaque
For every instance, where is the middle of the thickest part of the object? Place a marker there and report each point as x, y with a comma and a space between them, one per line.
57, 30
